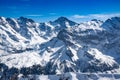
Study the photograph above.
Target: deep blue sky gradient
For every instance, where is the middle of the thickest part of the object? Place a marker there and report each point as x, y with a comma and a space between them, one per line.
45, 10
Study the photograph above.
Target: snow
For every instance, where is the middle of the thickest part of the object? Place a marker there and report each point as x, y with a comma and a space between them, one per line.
2, 19
26, 59
104, 78
90, 25
112, 25
43, 78
75, 52
16, 24
67, 24
51, 26
75, 57
72, 76
98, 55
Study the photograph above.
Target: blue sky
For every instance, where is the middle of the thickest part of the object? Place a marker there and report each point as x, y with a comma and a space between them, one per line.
45, 10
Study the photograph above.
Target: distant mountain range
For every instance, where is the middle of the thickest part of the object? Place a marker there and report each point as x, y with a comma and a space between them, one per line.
58, 47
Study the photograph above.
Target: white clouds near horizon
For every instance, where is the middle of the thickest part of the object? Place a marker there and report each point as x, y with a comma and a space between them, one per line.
96, 16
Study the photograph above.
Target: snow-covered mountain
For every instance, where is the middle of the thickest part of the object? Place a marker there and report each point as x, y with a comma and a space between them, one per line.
59, 46
18, 35
52, 28
112, 25
93, 24
23, 33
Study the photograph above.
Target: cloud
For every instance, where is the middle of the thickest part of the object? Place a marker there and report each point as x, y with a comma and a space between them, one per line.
78, 16
52, 13
34, 15
96, 16
104, 16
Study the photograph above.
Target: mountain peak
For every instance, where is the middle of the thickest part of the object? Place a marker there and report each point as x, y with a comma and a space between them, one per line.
117, 17
2, 18
23, 19
112, 24
61, 19
97, 21
94, 20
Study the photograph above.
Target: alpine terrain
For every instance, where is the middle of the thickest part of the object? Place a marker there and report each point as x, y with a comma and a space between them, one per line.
59, 50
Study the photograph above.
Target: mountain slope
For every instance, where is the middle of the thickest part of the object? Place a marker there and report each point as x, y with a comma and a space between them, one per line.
112, 25
52, 28
19, 34
59, 46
